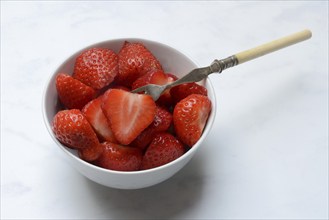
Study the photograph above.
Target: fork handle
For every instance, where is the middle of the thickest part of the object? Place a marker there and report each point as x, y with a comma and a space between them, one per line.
261, 50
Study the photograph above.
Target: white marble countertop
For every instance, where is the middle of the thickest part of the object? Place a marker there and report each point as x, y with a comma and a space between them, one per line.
266, 157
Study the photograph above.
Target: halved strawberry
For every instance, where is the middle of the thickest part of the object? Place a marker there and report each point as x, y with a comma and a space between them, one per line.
135, 60
73, 130
96, 67
128, 113
161, 122
94, 114
182, 91
190, 116
72, 93
120, 158
163, 149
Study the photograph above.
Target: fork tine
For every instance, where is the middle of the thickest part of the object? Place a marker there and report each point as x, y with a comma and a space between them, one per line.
151, 89
140, 89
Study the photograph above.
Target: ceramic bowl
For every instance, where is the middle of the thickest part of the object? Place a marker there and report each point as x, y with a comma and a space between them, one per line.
172, 61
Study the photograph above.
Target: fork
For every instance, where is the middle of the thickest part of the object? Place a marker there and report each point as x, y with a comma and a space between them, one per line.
217, 66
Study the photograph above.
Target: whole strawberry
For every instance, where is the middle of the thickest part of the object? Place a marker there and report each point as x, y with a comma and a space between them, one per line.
72, 93
165, 99
157, 77
96, 67
190, 116
90, 153
182, 91
120, 158
73, 130
135, 60
163, 149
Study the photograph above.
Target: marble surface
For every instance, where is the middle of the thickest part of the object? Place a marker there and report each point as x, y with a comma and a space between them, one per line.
267, 155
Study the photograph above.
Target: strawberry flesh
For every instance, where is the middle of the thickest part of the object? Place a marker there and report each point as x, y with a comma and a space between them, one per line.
128, 113
161, 122
94, 114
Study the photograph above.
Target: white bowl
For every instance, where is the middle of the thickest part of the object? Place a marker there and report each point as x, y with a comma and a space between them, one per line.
172, 61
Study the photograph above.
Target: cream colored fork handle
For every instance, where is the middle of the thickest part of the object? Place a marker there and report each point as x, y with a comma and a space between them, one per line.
272, 46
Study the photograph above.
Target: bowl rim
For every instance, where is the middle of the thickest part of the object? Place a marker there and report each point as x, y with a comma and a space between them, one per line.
207, 129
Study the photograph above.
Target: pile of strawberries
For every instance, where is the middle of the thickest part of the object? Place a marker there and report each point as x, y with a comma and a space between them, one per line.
116, 129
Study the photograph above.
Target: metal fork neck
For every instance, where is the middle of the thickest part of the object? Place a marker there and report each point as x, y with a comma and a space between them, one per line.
220, 65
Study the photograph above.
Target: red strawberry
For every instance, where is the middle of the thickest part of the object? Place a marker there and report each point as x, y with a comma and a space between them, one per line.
161, 122
163, 149
157, 77
94, 114
72, 92
96, 67
165, 99
171, 77
72, 129
120, 158
154, 77
120, 87
182, 91
190, 117
90, 153
128, 113
135, 60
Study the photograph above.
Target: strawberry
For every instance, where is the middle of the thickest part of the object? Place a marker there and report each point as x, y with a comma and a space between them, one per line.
94, 114
90, 153
128, 113
120, 87
163, 149
161, 122
165, 99
73, 130
120, 158
182, 91
96, 67
171, 77
135, 60
190, 116
157, 77
72, 93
